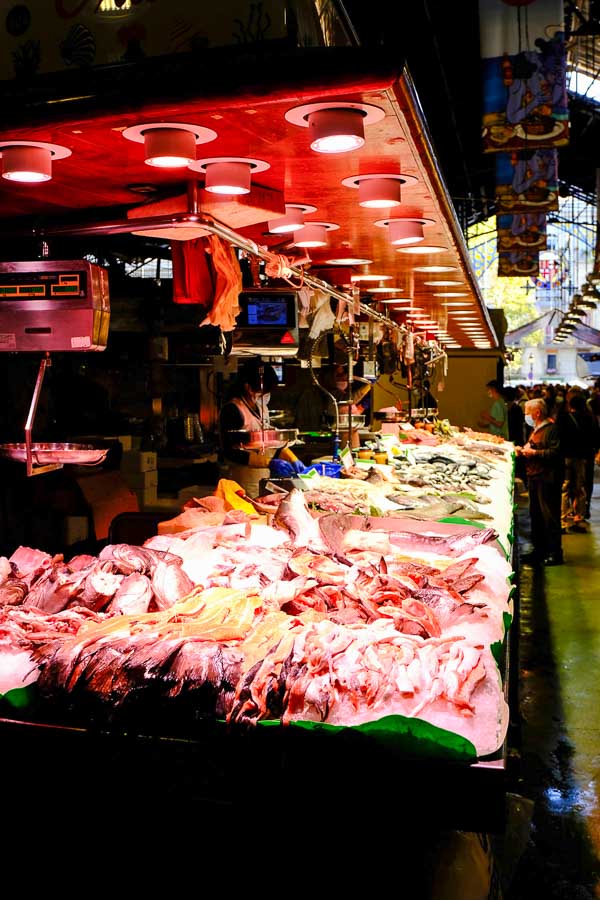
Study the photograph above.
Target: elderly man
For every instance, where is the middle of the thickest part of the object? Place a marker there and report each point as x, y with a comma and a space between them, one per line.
544, 466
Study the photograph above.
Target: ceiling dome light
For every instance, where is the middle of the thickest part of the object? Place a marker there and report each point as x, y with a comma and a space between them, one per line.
421, 248
293, 219
378, 191
29, 162
383, 290
314, 234
373, 277
349, 261
169, 145
335, 126
404, 230
461, 304
230, 175
336, 130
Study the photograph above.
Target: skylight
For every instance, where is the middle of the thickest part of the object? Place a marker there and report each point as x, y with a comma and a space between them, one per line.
584, 86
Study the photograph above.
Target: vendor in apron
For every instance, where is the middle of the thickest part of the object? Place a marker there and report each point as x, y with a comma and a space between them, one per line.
247, 411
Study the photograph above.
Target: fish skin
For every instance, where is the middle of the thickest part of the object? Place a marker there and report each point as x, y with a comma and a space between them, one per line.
170, 583
453, 544
133, 596
293, 515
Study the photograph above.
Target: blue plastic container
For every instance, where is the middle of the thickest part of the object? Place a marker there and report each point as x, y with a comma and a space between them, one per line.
332, 469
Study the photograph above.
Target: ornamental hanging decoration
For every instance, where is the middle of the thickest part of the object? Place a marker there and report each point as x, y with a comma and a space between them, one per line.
525, 118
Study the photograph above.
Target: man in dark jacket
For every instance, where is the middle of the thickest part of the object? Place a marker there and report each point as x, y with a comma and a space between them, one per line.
544, 466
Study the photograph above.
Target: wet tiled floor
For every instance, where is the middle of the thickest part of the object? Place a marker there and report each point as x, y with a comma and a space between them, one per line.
557, 746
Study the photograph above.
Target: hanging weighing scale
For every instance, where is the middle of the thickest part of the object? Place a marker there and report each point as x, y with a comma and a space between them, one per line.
48, 306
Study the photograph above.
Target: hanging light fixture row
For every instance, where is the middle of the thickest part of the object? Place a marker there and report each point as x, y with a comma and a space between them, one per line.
334, 127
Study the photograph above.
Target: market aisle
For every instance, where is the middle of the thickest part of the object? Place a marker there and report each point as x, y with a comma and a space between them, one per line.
560, 719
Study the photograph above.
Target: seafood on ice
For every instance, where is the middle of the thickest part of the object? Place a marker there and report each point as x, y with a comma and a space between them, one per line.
320, 617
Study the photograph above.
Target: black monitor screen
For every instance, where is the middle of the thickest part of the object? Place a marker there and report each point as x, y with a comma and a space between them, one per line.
261, 309
267, 312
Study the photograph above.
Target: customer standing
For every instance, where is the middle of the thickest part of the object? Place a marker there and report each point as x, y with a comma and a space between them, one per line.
580, 441
496, 419
544, 467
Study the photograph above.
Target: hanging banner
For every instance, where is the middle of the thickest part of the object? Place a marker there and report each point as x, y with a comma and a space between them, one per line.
526, 181
524, 74
524, 231
553, 272
513, 263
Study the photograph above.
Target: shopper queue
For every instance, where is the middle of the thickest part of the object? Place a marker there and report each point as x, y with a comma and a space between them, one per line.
556, 432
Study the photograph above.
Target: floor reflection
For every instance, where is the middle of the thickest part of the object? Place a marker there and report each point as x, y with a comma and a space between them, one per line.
559, 659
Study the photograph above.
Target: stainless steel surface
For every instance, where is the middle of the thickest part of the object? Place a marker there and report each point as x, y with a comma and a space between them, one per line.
270, 438
357, 421
55, 453
55, 305
281, 417
45, 363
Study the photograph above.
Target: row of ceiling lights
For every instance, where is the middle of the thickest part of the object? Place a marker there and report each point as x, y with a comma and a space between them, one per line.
333, 128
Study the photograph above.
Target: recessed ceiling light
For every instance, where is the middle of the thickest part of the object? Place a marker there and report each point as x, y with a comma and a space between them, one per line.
451, 294
348, 261
378, 191
169, 144
397, 300
436, 268
29, 162
460, 304
423, 249
370, 278
335, 126
445, 283
404, 230
313, 234
383, 290
229, 175
293, 219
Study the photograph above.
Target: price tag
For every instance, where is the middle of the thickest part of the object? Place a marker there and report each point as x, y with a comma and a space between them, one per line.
309, 476
406, 453
346, 458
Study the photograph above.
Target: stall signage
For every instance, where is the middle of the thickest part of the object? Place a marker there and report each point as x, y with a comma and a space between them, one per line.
346, 458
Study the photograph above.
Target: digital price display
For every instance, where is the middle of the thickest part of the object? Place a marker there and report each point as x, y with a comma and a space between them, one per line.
41, 285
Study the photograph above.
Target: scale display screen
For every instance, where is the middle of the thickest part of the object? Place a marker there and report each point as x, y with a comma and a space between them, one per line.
264, 309
42, 285
267, 312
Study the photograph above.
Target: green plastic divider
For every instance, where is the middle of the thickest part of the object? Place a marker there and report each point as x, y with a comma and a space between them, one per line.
413, 737
18, 697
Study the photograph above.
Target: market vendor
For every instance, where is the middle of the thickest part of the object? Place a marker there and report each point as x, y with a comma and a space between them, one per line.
246, 410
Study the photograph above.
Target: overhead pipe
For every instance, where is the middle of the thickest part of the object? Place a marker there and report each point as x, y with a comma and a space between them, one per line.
124, 226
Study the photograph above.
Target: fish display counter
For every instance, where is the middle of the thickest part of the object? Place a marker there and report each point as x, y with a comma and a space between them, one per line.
267, 640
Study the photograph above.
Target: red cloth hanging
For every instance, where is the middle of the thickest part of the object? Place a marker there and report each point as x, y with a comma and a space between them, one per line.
192, 273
